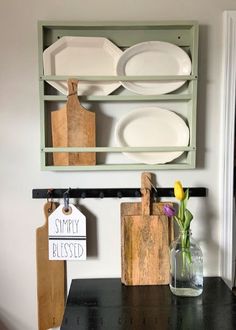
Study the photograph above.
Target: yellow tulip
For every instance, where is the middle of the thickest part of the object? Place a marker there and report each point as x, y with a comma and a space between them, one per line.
178, 191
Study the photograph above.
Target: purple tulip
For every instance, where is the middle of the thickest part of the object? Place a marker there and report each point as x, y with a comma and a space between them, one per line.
168, 210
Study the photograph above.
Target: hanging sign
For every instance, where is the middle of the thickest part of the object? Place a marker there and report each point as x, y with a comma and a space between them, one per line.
67, 234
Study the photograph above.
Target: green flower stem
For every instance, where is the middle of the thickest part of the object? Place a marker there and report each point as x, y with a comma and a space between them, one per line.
186, 254
179, 223
181, 211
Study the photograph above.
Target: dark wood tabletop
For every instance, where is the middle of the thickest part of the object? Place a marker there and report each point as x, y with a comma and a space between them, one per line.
107, 304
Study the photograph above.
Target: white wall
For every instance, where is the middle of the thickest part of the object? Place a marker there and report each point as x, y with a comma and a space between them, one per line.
20, 215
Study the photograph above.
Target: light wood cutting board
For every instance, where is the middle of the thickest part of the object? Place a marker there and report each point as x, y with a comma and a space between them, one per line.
51, 279
73, 126
146, 234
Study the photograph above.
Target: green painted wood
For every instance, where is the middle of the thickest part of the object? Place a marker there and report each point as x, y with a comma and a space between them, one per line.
123, 34
191, 157
119, 167
116, 149
41, 97
119, 78
117, 24
108, 98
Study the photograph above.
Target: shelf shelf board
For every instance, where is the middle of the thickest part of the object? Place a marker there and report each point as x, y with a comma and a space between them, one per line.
110, 98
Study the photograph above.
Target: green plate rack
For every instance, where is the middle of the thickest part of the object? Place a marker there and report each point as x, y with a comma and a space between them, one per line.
123, 34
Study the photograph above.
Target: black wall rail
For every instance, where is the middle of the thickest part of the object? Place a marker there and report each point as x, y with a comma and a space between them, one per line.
111, 192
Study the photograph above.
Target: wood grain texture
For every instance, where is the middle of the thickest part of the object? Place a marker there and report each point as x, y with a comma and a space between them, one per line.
146, 234
146, 188
73, 126
51, 279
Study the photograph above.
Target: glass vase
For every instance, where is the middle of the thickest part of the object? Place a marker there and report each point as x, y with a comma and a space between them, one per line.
186, 266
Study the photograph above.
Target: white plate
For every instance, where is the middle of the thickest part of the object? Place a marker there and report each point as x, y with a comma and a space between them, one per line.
153, 58
75, 56
152, 127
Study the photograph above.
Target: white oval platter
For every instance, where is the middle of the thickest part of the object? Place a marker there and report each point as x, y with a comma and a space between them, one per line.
152, 127
82, 56
153, 58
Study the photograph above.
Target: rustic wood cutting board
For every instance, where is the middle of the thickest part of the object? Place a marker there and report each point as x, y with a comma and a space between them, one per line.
73, 126
146, 234
51, 279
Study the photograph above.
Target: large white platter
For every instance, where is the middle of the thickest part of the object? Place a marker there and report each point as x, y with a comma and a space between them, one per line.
152, 127
75, 56
153, 58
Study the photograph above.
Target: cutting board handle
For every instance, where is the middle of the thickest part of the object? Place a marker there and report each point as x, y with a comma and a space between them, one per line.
146, 188
72, 87
73, 101
72, 98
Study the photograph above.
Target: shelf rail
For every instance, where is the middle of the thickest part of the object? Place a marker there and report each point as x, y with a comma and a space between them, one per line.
120, 78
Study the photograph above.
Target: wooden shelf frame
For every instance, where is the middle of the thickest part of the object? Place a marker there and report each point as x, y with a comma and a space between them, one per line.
124, 34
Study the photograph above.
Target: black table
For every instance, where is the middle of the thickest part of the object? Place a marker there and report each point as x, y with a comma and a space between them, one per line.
106, 304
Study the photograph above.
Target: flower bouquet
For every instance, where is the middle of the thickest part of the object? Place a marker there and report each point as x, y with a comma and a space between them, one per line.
183, 218
185, 255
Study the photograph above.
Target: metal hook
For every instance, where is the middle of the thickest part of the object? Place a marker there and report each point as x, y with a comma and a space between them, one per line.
50, 199
101, 194
66, 197
119, 194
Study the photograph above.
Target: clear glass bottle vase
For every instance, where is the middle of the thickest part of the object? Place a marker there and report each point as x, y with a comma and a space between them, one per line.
186, 266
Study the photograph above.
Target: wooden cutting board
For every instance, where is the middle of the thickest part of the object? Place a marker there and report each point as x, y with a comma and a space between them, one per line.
73, 126
146, 234
51, 279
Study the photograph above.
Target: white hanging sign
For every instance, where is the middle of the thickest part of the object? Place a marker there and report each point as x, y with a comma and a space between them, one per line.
67, 234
